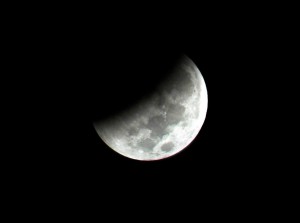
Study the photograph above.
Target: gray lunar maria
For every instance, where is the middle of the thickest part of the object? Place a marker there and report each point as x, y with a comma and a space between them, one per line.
164, 123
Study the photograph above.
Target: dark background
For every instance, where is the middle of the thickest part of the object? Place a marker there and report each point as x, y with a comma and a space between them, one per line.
72, 70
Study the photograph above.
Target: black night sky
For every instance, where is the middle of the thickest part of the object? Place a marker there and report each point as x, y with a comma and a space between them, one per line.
93, 75
81, 70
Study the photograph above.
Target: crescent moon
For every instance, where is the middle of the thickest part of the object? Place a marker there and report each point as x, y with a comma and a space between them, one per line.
163, 124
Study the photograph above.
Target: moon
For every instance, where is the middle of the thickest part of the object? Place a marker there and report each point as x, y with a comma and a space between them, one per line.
163, 124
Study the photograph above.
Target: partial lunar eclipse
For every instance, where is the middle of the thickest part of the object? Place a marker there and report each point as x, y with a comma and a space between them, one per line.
163, 124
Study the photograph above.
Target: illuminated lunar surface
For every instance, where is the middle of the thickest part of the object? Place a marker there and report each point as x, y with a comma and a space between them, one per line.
163, 124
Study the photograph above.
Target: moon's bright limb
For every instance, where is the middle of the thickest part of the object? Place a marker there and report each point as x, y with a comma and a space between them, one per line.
165, 123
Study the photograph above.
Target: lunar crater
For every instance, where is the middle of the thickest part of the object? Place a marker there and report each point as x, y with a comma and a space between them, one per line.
146, 144
157, 125
167, 147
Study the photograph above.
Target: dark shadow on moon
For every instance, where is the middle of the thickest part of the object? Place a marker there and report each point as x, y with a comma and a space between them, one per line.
128, 82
